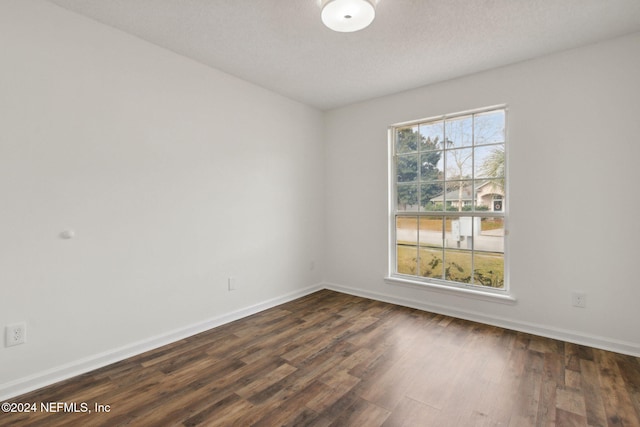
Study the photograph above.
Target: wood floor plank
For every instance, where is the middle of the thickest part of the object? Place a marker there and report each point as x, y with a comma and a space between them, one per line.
590, 385
527, 397
617, 402
629, 368
362, 413
222, 413
572, 357
552, 380
325, 397
266, 380
411, 413
571, 401
494, 403
294, 410
336, 359
569, 419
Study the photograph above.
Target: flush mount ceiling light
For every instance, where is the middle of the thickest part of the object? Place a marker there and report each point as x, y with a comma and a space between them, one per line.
347, 16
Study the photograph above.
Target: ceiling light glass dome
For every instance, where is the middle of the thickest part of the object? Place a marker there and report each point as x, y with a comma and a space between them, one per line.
346, 16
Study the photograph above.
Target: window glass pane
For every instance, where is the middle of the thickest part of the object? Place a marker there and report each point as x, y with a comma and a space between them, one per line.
459, 163
407, 259
407, 230
431, 248
489, 161
458, 132
407, 197
407, 168
432, 136
459, 232
489, 234
459, 195
489, 127
488, 269
458, 253
431, 196
490, 195
458, 265
407, 140
431, 165
406, 245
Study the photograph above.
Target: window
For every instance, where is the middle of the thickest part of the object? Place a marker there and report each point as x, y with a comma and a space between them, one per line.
448, 195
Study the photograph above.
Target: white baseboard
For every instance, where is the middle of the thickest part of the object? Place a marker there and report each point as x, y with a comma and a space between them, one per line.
603, 343
87, 364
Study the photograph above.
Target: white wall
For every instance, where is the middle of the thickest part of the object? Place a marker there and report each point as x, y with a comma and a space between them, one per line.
174, 177
573, 147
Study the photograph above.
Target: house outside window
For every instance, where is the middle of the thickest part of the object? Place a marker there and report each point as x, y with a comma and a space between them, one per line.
447, 200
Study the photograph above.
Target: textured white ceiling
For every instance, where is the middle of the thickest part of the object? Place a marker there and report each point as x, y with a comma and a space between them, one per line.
282, 45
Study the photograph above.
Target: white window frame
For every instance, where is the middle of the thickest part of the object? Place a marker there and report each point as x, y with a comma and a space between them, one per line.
502, 295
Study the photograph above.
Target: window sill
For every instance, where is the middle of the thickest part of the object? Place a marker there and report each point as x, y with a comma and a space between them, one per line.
502, 297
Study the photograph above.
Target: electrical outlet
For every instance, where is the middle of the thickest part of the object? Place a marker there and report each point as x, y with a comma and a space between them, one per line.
579, 299
15, 334
231, 282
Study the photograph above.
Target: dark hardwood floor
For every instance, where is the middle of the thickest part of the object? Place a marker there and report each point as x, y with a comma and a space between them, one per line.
331, 359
